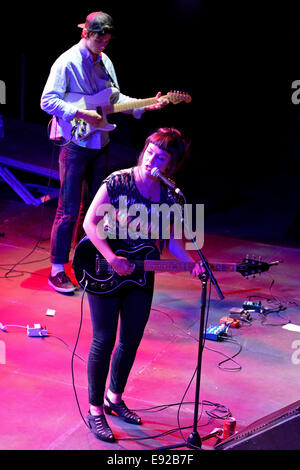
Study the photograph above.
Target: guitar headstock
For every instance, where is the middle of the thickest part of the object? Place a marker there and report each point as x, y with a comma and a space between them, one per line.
177, 97
252, 266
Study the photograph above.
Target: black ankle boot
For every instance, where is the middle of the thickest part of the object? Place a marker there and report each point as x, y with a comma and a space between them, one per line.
121, 410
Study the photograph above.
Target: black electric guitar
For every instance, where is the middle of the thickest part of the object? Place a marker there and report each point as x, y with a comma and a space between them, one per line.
94, 274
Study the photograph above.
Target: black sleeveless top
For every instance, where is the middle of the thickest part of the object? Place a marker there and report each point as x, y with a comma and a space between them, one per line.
133, 217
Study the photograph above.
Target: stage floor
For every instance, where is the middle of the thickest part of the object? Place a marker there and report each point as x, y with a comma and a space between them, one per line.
251, 374
39, 409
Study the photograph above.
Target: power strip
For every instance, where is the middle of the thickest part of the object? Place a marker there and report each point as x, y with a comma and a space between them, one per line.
36, 331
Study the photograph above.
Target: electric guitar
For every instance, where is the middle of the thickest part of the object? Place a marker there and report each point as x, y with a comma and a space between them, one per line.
103, 102
94, 274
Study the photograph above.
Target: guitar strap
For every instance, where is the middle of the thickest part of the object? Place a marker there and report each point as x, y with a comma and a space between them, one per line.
114, 84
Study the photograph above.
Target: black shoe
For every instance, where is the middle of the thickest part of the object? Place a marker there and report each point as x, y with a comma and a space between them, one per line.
61, 282
100, 428
121, 410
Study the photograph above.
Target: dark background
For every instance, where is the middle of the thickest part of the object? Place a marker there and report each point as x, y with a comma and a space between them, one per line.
236, 60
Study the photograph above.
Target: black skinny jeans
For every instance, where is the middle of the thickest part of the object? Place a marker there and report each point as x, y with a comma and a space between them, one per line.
132, 306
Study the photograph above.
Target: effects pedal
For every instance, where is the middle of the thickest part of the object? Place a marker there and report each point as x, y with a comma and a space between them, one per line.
232, 322
215, 333
254, 306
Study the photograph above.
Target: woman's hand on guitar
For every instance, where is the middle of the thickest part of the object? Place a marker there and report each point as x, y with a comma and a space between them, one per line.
122, 266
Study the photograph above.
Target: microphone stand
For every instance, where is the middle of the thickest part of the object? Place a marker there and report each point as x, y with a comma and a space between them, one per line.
194, 440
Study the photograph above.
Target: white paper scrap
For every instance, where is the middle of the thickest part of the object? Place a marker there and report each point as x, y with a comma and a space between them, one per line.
292, 327
50, 312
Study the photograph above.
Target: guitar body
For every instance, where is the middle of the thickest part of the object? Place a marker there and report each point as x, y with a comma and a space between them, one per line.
93, 273
79, 129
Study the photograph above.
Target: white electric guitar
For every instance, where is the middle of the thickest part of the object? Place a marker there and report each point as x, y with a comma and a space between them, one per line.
104, 103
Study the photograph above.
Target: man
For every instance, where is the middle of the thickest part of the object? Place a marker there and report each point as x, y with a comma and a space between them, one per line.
84, 70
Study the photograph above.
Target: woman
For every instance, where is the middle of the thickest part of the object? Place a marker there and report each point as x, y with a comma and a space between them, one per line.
165, 149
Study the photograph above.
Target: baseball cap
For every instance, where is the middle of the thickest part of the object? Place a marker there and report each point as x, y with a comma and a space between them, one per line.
98, 22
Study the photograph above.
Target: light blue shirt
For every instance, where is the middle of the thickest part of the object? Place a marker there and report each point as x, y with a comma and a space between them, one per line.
75, 71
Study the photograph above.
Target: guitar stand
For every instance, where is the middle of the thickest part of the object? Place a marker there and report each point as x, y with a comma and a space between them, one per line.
194, 441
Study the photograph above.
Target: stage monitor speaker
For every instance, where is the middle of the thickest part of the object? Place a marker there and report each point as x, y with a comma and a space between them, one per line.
277, 431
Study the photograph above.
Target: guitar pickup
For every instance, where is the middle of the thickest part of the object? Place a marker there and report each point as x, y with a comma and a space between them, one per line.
82, 129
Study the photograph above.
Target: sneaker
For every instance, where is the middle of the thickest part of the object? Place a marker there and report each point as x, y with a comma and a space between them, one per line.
61, 282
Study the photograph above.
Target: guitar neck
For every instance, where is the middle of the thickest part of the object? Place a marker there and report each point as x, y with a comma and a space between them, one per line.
134, 104
181, 266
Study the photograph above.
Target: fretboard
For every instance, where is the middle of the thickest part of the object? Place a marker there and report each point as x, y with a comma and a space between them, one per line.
121, 107
178, 266
169, 265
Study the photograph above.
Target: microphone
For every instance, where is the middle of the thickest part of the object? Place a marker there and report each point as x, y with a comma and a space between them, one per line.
157, 174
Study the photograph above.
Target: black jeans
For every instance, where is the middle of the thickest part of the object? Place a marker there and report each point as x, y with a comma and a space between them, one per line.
133, 307
81, 171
